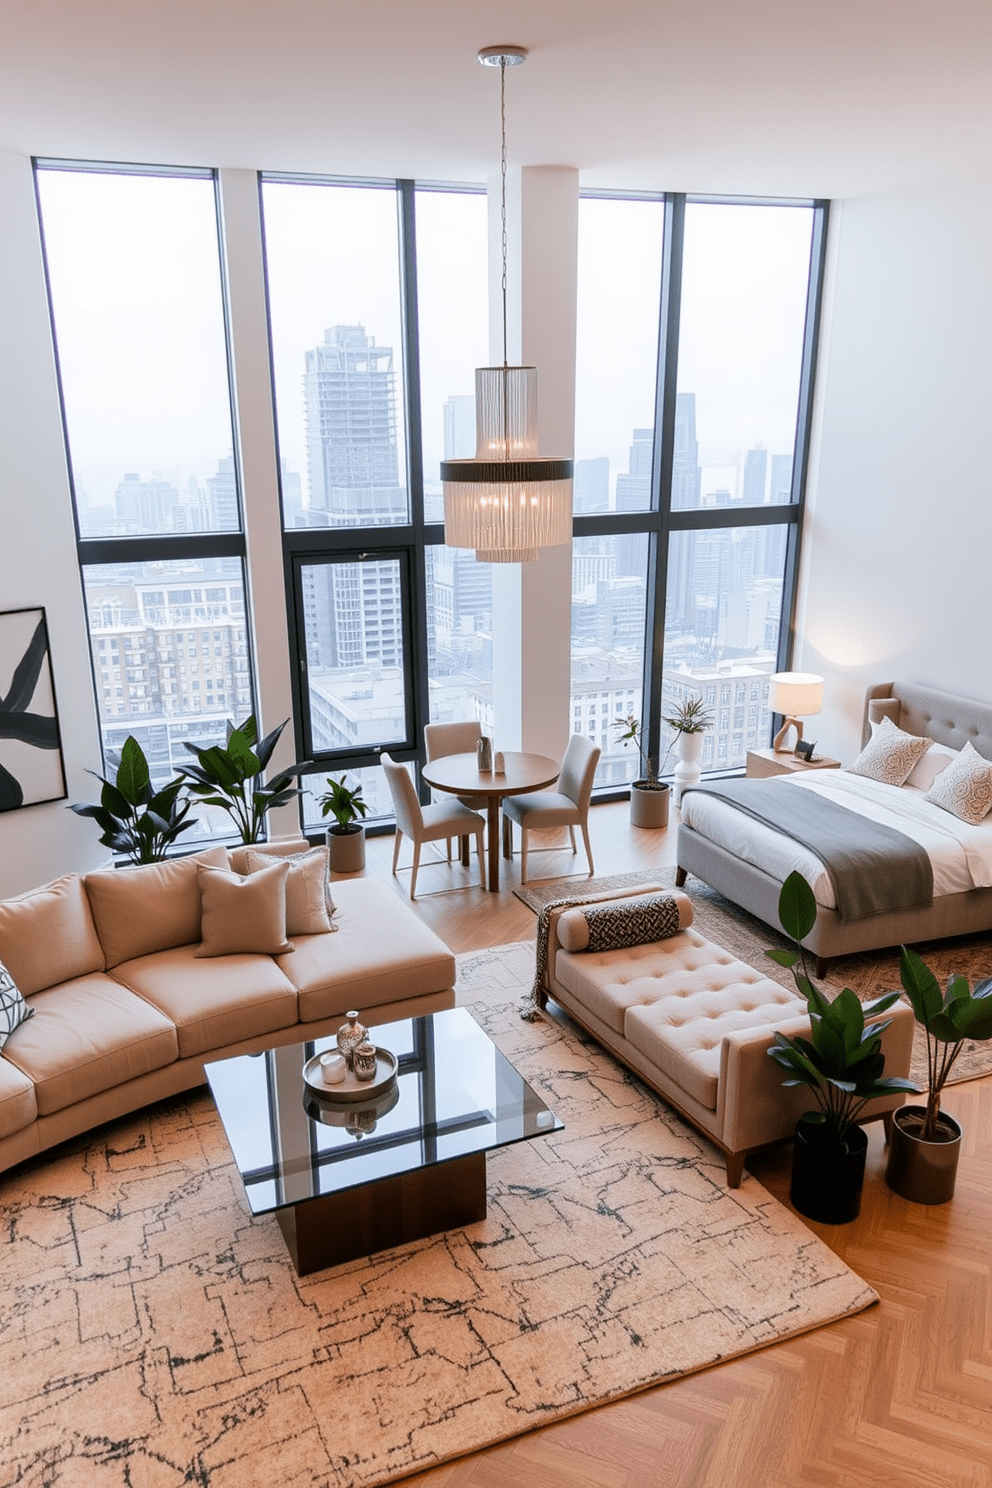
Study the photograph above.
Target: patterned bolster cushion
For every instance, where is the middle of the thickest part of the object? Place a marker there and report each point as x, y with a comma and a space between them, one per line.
630, 922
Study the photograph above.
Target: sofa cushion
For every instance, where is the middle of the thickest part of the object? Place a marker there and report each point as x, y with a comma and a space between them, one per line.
309, 905
13, 1009
48, 936
624, 922
216, 1002
89, 1035
148, 908
680, 1030
18, 1107
243, 915
382, 952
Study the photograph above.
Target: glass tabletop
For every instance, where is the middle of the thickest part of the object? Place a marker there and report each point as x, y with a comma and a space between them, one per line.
454, 1094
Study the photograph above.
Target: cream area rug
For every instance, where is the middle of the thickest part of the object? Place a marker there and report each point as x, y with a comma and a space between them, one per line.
154, 1334
869, 974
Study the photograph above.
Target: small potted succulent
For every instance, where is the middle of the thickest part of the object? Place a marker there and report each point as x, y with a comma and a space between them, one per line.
842, 1065
926, 1142
346, 839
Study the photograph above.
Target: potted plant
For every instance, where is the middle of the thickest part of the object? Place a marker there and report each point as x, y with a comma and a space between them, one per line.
649, 796
841, 1063
690, 720
926, 1141
135, 818
229, 776
346, 839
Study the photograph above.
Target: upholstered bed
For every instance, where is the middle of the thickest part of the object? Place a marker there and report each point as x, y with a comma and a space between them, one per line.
740, 860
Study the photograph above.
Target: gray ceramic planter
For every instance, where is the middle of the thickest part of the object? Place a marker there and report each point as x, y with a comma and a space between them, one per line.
649, 806
346, 850
924, 1172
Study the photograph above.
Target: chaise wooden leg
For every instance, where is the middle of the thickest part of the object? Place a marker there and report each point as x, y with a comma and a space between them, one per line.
681, 874
735, 1168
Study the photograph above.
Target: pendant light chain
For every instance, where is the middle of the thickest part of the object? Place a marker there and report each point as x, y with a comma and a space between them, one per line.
502, 129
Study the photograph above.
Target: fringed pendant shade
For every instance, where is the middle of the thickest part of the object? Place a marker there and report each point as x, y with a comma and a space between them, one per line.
507, 503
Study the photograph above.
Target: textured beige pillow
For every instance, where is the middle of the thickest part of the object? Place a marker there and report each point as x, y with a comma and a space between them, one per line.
965, 787
890, 754
150, 908
243, 915
309, 905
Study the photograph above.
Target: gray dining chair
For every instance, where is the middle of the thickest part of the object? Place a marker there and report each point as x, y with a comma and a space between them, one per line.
567, 805
427, 823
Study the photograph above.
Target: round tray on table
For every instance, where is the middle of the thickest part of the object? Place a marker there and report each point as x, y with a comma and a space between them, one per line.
351, 1090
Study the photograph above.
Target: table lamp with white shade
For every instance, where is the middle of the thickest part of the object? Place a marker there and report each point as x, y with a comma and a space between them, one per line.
796, 695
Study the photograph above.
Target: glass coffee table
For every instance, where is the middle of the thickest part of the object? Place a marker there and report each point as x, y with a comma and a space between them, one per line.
347, 1180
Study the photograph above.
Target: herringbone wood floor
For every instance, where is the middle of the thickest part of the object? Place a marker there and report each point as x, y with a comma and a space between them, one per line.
898, 1397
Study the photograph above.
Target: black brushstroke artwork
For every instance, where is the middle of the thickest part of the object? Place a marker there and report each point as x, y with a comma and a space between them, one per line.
15, 720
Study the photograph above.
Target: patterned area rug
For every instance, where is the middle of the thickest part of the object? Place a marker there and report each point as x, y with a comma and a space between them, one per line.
155, 1335
869, 974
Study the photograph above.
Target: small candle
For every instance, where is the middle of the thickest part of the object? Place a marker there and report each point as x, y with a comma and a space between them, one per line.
332, 1068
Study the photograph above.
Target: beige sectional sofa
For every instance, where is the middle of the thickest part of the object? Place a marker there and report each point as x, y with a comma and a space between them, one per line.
126, 1011
696, 1025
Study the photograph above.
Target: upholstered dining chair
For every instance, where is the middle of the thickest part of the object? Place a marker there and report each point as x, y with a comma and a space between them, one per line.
455, 738
565, 806
427, 823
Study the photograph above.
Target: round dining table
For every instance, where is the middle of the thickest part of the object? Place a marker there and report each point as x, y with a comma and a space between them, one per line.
459, 774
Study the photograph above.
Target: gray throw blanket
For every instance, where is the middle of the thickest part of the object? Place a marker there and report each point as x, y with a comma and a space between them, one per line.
873, 869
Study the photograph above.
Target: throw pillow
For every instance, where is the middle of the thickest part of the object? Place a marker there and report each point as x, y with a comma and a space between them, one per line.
309, 905
613, 927
890, 754
926, 770
243, 915
13, 1008
965, 787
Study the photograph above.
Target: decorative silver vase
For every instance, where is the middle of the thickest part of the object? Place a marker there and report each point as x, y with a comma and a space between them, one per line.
350, 1035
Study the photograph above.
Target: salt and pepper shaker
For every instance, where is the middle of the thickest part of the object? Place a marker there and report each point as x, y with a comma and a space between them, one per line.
484, 749
499, 763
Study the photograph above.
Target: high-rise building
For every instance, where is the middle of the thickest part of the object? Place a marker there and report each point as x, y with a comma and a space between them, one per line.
350, 394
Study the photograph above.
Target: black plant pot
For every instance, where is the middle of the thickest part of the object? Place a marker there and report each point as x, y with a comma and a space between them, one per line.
827, 1175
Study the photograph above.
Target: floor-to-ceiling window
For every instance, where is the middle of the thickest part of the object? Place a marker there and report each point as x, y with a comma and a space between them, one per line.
696, 340
138, 311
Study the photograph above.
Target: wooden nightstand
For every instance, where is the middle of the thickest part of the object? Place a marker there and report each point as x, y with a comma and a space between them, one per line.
762, 762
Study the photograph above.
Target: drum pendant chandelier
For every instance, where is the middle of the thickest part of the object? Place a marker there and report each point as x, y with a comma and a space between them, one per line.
506, 503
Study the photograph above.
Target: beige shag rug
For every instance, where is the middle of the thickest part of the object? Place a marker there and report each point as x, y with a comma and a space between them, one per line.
154, 1334
870, 974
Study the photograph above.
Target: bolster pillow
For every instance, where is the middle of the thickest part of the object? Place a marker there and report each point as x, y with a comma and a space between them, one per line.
625, 922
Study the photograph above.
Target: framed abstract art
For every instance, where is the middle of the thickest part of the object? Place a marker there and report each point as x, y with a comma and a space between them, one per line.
31, 769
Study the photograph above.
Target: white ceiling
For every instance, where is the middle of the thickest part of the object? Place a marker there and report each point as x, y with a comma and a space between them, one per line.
774, 97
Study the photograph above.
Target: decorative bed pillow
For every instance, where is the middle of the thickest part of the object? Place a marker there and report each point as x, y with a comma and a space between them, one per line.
613, 927
925, 771
890, 754
243, 915
309, 905
13, 1008
965, 787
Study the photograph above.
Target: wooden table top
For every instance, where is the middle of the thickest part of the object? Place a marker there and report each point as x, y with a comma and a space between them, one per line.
460, 774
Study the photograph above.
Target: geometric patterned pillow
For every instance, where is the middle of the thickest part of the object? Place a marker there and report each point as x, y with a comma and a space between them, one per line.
890, 754
13, 1008
965, 787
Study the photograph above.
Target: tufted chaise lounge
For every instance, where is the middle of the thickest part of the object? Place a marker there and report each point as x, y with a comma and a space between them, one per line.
696, 1025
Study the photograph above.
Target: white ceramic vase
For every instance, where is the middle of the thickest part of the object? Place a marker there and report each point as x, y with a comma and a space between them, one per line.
687, 771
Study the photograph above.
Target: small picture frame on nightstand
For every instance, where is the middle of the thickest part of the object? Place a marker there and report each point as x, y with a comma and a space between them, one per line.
804, 750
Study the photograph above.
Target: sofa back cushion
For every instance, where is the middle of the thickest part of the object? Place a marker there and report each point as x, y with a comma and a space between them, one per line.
48, 936
149, 908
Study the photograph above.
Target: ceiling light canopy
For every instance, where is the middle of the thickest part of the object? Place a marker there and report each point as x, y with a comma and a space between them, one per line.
507, 503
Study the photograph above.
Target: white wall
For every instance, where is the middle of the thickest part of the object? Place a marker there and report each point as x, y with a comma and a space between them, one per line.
897, 556
37, 542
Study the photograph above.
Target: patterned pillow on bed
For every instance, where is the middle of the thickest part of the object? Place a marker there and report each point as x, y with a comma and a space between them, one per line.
890, 754
965, 787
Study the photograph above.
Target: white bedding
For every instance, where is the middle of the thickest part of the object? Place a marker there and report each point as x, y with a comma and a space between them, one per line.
961, 855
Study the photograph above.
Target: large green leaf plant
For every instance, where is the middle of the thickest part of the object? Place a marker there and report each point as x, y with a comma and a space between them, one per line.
229, 776
841, 1062
135, 819
947, 1018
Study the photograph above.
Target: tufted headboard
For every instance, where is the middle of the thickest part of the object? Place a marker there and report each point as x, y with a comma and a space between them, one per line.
941, 716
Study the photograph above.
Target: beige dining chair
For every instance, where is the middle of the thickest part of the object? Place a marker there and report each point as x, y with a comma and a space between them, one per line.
427, 823
565, 806
455, 738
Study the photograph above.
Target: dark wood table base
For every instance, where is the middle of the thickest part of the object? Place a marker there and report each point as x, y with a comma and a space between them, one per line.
357, 1222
